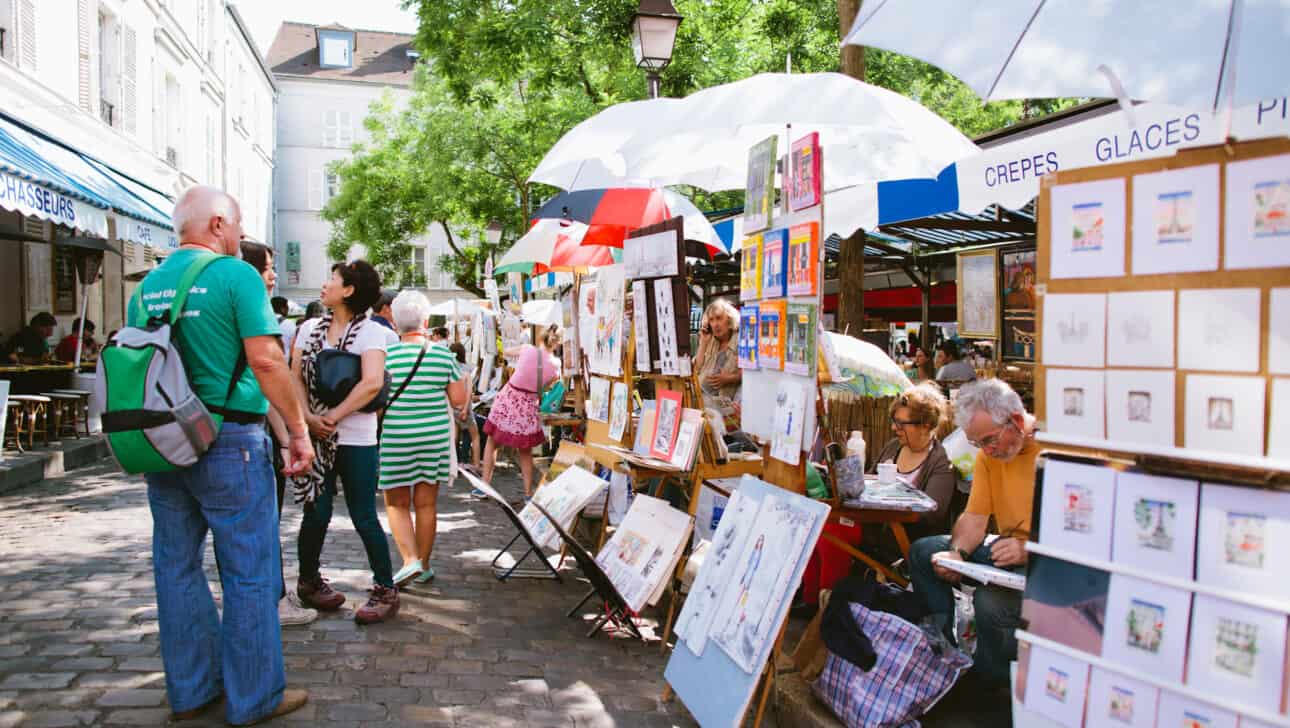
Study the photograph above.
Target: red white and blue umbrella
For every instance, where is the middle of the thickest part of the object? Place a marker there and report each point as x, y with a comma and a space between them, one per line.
611, 213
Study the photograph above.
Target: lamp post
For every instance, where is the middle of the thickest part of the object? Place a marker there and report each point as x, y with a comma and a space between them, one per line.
654, 29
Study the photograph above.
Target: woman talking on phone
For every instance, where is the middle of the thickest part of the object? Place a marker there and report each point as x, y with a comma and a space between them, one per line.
718, 358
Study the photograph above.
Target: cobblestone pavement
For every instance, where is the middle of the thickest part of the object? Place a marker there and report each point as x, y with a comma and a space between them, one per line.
78, 629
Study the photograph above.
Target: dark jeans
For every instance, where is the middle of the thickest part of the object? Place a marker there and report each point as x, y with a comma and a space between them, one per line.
357, 467
998, 610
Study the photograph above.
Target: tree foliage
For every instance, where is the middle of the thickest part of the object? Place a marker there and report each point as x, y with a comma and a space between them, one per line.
503, 80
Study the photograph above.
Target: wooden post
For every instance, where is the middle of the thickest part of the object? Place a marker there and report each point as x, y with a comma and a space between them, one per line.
851, 62
851, 285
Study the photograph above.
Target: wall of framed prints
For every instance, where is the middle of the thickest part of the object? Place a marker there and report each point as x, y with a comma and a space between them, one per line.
1150, 598
781, 292
1164, 305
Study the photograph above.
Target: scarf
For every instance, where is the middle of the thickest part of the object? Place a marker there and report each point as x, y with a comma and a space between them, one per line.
308, 485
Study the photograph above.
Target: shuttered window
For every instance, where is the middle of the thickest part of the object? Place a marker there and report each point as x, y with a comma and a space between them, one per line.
85, 26
27, 33
129, 80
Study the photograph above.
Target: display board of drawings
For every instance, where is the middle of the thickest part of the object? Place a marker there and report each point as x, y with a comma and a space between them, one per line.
781, 266
1154, 601
1165, 315
644, 550
740, 598
654, 267
564, 498
668, 435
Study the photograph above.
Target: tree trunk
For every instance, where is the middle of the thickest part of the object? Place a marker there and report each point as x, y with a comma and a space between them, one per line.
852, 61
851, 285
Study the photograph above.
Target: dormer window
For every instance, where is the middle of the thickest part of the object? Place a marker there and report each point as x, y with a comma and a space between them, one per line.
335, 48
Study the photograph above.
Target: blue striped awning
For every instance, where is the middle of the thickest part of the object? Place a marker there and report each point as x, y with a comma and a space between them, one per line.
43, 160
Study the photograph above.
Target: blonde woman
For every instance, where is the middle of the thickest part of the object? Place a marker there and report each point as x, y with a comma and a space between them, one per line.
515, 420
920, 460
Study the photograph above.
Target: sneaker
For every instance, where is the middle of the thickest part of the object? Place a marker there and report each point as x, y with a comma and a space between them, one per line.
292, 699
317, 593
425, 576
477, 493
382, 604
409, 570
291, 613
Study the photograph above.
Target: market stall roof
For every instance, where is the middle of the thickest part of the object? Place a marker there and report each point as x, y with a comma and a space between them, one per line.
955, 230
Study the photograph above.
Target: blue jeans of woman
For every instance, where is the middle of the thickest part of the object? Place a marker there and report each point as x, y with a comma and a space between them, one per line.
229, 492
357, 467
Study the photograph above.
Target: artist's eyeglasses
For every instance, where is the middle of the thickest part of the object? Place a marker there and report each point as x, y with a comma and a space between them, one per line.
990, 440
903, 423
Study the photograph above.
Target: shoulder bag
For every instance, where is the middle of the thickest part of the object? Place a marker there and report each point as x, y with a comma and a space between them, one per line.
336, 373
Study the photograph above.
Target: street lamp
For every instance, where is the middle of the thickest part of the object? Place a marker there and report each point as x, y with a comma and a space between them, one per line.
654, 29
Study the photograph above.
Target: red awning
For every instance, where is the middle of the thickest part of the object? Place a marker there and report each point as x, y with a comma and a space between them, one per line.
943, 294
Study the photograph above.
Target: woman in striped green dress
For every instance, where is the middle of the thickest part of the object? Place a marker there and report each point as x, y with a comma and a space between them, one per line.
417, 435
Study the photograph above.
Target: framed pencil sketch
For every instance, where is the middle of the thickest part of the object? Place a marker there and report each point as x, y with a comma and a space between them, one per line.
1140, 406
1155, 524
1175, 221
1074, 333
1075, 402
1243, 536
1237, 651
1186, 712
1087, 230
1078, 507
1117, 701
1146, 626
1056, 685
1140, 329
1218, 329
1257, 217
1224, 414
978, 294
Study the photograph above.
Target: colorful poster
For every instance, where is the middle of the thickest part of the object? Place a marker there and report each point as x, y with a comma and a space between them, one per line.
774, 264
1176, 220
667, 424
770, 351
800, 349
1155, 524
606, 354
748, 345
1087, 229
804, 177
1257, 217
643, 551
978, 294
750, 269
804, 259
1019, 306
760, 190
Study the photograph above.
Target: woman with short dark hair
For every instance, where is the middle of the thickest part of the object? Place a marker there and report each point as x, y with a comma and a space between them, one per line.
344, 439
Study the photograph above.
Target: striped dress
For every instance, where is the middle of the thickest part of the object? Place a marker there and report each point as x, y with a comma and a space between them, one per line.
416, 442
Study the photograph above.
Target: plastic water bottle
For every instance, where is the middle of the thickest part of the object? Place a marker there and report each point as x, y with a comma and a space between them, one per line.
856, 446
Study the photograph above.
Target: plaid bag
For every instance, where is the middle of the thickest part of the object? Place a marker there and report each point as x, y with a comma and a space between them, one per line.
907, 680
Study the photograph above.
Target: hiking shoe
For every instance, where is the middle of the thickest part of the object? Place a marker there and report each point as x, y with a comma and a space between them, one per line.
317, 593
409, 570
425, 576
382, 604
292, 699
291, 613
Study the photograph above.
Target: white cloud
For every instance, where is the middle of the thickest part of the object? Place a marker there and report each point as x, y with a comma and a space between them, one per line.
263, 18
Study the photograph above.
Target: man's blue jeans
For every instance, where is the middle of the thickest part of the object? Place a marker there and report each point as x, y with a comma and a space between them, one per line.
229, 492
998, 610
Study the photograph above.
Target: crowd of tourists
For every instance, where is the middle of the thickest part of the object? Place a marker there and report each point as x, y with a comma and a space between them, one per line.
295, 422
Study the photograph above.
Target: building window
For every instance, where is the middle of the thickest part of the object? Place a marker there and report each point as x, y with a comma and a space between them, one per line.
338, 128
419, 264
335, 49
331, 187
175, 123
8, 38
110, 70
212, 151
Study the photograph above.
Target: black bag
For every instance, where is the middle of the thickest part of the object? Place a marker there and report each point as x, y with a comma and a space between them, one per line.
337, 372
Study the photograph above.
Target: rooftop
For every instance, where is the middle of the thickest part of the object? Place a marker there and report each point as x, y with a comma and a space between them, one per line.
380, 57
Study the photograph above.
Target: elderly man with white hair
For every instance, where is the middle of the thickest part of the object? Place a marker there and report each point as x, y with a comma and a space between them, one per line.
228, 338
1003, 486
417, 435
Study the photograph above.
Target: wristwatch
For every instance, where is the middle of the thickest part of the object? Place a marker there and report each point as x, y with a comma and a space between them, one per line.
965, 555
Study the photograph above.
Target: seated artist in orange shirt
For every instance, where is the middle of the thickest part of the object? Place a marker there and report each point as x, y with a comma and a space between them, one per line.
994, 419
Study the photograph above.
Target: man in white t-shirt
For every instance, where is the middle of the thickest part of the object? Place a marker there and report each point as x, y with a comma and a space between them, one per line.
285, 325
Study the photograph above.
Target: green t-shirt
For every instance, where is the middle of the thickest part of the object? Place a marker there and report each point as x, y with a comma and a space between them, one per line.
226, 304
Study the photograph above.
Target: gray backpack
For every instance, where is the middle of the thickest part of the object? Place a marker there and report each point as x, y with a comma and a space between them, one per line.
153, 420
